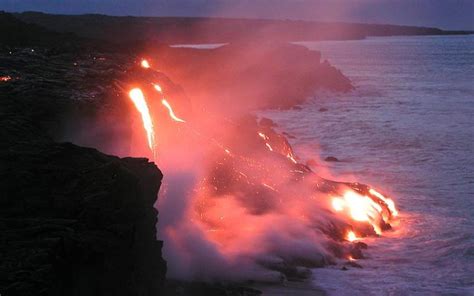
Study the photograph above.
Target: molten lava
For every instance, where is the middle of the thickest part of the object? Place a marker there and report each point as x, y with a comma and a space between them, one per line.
170, 111
351, 236
253, 198
362, 208
5, 78
145, 64
390, 204
138, 99
157, 87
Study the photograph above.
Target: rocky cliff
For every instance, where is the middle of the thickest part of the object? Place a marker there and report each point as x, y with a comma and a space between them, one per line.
75, 221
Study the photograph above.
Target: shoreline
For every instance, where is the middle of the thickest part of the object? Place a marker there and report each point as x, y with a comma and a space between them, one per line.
82, 75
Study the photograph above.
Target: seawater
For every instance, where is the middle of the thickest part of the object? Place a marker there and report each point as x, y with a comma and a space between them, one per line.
408, 130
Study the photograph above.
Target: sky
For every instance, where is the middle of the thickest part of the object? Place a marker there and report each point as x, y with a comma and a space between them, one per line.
445, 14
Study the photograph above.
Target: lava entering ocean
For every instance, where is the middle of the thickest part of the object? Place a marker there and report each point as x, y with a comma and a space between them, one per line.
237, 204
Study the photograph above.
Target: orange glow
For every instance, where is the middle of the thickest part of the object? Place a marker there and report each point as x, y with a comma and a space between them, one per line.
138, 99
338, 204
170, 111
158, 88
269, 187
269, 146
5, 78
291, 157
351, 236
388, 201
359, 208
262, 135
145, 64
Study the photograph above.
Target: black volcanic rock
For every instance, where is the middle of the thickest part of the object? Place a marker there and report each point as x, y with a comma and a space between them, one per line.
74, 221
249, 75
331, 159
14, 32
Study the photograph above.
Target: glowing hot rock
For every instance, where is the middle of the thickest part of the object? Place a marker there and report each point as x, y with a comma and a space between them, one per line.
170, 111
351, 236
140, 103
361, 208
145, 64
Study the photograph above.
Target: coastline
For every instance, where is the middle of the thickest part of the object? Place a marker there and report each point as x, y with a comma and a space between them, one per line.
86, 79
56, 108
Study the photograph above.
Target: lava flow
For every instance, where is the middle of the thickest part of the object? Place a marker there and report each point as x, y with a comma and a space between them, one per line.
138, 99
238, 201
5, 78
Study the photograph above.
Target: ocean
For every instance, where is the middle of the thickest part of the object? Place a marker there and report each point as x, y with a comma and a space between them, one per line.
408, 130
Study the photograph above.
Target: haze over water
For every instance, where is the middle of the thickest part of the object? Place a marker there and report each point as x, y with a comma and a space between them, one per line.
408, 130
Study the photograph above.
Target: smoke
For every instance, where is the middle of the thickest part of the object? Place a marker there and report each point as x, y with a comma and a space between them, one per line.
231, 208
236, 202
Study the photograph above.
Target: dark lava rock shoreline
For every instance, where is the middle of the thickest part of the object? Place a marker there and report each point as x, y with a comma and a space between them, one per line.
73, 220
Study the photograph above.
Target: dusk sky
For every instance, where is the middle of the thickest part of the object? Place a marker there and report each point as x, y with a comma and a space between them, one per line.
446, 14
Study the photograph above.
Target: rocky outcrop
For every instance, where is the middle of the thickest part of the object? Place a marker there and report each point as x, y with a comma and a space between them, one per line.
74, 221
250, 75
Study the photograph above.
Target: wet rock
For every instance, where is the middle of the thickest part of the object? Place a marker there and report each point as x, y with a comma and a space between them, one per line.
353, 264
356, 253
361, 245
267, 122
331, 159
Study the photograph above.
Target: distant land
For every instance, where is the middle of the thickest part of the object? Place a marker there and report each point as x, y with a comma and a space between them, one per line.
126, 29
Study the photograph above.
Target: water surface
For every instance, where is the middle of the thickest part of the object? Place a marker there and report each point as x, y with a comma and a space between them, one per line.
408, 130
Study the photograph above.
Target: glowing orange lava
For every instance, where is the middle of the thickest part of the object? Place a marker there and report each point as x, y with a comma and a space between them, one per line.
291, 157
170, 111
359, 208
138, 99
388, 201
262, 135
351, 236
145, 64
157, 87
338, 204
5, 78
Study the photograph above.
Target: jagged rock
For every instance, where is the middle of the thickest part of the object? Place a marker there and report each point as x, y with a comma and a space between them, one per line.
353, 264
331, 159
74, 221
267, 122
274, 75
